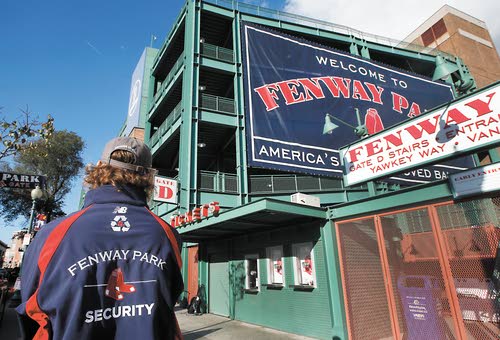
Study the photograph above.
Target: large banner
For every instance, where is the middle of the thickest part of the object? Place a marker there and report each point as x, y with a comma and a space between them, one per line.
294, 87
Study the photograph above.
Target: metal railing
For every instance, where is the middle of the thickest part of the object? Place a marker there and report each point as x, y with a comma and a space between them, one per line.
218, 182
215, 103
322, 25
171, 119
173, 71
260, 184
216, 52
266, 184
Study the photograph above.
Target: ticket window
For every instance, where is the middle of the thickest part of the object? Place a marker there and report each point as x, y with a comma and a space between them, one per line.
304, 264
251, 272
275, 271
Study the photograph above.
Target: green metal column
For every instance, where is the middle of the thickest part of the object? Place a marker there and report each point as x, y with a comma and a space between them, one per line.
188, 151
241, 146
184, 269
203, 271
494, 155
337, 312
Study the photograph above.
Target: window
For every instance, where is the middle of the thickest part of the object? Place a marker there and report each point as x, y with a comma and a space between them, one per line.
275, 265
434, 32
304, 264
251, 272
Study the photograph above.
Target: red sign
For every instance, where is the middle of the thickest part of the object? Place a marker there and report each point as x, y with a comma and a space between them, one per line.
195, 215
165, 190
462, 127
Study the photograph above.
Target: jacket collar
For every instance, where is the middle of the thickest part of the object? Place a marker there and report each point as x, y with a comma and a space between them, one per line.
111, 194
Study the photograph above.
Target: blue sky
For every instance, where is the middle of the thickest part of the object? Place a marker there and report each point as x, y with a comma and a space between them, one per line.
74, 60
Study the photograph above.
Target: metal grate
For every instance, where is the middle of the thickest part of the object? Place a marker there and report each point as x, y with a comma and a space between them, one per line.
472, 248
287, 183
207, 182
216, 52
218, 182
366, 299
438, 266
215, 103
421, 306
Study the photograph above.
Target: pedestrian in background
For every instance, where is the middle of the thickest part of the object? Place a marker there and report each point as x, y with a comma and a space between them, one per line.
110, 270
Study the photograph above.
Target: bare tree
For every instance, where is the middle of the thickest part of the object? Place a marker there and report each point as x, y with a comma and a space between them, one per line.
20, 134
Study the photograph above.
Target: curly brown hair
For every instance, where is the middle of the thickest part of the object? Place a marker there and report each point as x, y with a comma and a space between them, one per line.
102, 174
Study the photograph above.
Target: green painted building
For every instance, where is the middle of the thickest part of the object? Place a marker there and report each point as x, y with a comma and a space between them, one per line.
266, 257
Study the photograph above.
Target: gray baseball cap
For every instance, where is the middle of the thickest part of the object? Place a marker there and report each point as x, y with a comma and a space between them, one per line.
141, 152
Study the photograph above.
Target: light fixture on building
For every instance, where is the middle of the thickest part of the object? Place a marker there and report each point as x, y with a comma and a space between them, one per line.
329, 126
202, 88
202, 40
460, 76
201, 145
444, 69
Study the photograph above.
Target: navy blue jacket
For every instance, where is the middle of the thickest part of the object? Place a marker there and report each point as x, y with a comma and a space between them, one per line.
109, 271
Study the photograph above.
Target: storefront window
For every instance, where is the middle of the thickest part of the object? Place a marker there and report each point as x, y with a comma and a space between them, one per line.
304, 264
275, 265
252, 272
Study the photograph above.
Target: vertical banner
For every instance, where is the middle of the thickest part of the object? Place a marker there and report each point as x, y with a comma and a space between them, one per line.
295, 88
135, 99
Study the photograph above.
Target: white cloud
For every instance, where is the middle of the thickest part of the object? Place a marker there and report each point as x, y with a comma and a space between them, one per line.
392, 18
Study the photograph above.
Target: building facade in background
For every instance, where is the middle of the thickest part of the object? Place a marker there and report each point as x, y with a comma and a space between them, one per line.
3, 248
14, 253
457, 33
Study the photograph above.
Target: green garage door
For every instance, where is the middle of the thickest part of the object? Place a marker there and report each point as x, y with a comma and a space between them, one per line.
218, 289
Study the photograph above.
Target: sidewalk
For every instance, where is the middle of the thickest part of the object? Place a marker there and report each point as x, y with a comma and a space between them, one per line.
205, 326
9, 329
210, 326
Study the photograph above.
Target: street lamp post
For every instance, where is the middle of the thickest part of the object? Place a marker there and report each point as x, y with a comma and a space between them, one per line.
36, 194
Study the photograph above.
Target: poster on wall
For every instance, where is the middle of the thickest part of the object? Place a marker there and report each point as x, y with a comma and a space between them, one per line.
294, 87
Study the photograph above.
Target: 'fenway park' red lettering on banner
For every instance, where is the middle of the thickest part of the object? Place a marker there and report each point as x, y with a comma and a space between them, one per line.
294, 91
465, 125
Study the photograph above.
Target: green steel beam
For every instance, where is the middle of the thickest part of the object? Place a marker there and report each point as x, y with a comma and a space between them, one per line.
392, 200
494, 155
258, 206
189, 126
338, 37
279, 21
154, 105
216, 9
173, 31
337, 311
241, 147
203, 271
165, 137
184, 269
218, 118
224, 199
217, 64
